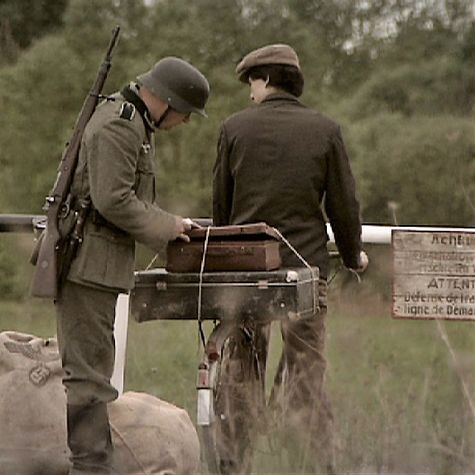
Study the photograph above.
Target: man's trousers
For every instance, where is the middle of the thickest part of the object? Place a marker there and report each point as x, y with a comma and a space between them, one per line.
85, 327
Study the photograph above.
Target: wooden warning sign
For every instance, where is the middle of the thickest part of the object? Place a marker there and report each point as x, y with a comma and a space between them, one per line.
434, 274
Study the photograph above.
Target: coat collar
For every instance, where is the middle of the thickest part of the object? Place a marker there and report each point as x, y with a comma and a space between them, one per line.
280, 96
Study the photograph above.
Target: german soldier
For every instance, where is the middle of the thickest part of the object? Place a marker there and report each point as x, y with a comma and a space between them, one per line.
276, 163
115, 177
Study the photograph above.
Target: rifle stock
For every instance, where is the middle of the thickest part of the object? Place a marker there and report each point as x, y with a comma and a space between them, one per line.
45, 282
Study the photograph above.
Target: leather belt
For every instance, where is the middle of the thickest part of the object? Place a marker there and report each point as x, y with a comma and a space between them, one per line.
99, 220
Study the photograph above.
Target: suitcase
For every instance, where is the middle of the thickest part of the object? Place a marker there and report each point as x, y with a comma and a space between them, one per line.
263, 295
249, 247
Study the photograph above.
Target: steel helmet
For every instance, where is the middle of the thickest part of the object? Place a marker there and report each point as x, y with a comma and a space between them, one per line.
179, 83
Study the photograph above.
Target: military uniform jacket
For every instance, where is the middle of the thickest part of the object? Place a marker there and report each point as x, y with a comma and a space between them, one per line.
116, 169
276, 162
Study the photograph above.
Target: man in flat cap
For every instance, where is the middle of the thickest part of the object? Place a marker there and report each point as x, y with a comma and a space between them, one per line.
115, 181
277, 161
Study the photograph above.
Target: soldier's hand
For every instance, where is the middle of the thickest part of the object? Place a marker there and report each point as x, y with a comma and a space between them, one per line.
191, 223
184, 225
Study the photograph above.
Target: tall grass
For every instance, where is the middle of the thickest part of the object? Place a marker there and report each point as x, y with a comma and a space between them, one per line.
397, 392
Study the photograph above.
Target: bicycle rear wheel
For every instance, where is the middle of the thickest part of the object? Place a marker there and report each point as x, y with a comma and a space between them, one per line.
229, 410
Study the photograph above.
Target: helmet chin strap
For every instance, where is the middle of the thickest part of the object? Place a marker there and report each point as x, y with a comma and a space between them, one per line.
158, 123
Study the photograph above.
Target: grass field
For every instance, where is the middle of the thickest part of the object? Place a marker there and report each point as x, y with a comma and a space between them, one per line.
397, 391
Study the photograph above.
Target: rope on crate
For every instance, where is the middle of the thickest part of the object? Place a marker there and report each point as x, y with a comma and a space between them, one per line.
305, 263
150, 264
200, 286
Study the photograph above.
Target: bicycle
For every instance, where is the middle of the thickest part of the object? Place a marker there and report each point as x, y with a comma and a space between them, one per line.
212, 403
213, 400
273, 295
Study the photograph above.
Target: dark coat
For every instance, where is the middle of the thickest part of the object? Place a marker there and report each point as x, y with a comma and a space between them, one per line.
276, 162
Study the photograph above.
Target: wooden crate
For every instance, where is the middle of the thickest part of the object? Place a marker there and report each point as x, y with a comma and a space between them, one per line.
248, 247
223, 256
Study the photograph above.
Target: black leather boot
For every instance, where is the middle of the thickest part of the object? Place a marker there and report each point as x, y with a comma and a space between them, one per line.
89, 439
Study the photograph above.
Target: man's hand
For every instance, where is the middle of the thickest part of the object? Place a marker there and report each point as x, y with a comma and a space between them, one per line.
362, 262
183, 226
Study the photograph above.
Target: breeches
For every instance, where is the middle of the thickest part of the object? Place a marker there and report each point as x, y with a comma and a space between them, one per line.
85, 325
85, 321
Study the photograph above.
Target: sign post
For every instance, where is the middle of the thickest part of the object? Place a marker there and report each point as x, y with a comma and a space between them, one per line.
120, 336
434, 274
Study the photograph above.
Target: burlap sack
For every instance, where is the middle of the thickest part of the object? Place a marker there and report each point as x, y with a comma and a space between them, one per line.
150, 436
32, 402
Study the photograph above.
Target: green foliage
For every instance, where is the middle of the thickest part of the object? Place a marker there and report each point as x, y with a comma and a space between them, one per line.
436, 86
423, 164
8, 273
42, 97
22, 21
42, 93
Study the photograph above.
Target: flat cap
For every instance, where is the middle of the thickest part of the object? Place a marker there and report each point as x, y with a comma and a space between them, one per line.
271, 54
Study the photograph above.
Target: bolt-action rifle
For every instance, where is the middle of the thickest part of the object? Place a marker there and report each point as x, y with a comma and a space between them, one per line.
46, 277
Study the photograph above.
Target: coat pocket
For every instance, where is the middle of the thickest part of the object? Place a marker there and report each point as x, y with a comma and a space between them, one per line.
145, 177
145, 185
105, 260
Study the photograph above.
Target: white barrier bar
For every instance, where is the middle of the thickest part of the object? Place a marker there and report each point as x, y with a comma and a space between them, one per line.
381, 234
120, 335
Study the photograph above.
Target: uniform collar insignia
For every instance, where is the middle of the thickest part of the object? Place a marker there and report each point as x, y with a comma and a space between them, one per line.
130, 93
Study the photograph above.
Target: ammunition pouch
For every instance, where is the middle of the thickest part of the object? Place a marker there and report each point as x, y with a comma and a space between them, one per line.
71, 229
66, 224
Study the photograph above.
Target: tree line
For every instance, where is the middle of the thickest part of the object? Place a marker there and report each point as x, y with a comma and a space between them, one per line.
399, 75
